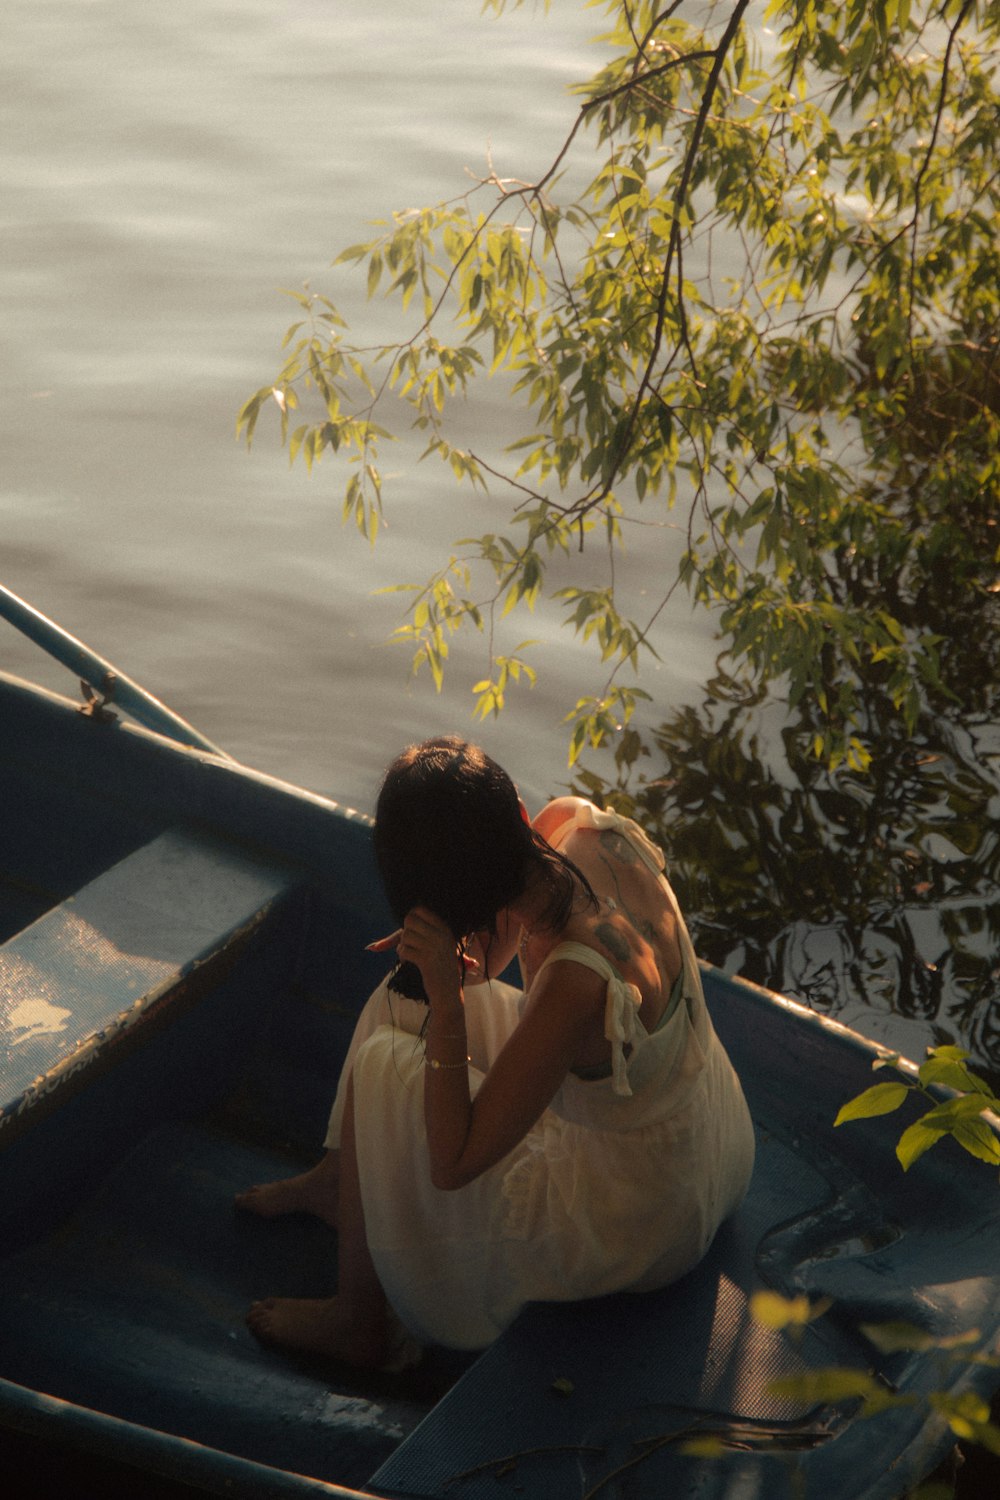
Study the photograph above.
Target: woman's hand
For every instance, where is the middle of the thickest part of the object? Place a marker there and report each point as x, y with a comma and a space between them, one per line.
425, 940
428, 942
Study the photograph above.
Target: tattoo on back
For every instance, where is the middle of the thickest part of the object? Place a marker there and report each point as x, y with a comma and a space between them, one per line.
614, 941
642, 925
618, 845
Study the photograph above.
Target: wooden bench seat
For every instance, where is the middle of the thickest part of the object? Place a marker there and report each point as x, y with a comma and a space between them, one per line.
87, 976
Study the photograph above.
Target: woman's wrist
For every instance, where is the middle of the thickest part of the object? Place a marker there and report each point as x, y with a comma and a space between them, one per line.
446, 1044
447, 1014
437, 1065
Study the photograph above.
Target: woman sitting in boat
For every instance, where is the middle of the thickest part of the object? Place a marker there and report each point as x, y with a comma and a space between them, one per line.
489, 1147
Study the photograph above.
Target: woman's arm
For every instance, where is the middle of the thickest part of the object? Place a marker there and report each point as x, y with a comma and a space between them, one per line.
466, 1136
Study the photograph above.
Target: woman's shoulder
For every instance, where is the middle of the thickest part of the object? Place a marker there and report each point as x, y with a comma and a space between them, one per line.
561, 810
561, 817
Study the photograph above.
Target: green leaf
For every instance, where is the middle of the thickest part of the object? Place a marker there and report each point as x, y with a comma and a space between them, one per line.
916, 1140
858, 153
774, 1311
976, 1137
880, 1099
891, 1338
703, 1447
834, 1386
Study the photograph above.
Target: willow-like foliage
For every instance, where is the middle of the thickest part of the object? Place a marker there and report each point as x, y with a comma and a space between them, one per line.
823, 420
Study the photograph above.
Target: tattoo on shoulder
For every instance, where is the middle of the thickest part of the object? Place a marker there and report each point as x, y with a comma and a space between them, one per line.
614, 941
619, 846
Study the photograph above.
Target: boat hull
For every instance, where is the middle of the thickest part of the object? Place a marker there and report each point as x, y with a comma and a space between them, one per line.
156, 1066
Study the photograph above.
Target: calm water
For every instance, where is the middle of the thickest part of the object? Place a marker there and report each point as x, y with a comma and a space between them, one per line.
163, 172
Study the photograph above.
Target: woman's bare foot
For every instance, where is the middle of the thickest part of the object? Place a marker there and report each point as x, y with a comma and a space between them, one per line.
313, 1192
326, 1326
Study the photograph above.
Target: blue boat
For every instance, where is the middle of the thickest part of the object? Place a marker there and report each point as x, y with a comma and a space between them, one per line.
182, 960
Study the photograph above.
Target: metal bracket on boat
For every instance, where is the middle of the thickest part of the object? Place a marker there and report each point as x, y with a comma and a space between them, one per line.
97, 700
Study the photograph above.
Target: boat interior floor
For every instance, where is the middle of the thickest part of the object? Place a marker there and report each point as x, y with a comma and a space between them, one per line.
138, 1308
128, 1270
134, 1305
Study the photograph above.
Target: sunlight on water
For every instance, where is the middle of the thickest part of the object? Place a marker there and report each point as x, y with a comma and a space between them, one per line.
168, 170
165, 171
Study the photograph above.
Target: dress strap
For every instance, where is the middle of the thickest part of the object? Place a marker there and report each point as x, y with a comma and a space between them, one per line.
586, 815
621, 1007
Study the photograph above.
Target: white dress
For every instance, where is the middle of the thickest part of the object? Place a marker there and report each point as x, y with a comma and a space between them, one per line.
621, 1185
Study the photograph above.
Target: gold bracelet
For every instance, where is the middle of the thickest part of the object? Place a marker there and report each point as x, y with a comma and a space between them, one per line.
432, 1062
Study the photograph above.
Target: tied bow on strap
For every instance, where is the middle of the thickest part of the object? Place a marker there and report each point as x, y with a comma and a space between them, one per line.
621, 1022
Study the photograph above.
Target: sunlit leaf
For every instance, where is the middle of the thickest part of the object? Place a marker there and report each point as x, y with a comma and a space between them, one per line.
917, 1139
880, 1099
775, 1311
835, 1386
822, 411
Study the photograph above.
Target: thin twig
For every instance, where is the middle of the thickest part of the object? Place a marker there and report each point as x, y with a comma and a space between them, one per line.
510, 1460
925, 166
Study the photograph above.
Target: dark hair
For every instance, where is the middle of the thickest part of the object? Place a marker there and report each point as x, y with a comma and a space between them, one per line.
450, 835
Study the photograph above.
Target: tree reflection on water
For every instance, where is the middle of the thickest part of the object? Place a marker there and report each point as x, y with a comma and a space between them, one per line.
870, 896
